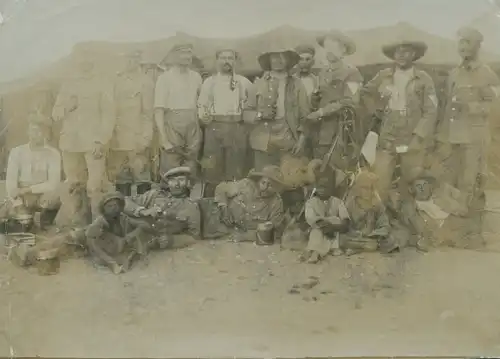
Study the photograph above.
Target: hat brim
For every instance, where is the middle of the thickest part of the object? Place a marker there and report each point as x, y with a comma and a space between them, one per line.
257, 175
419, 47
428, 177
178, 174
292, 58
350, 46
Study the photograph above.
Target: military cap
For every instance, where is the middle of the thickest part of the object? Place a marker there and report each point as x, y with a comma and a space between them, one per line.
420, 48
470, 34
109, 197
292, 58
305, 49
181, 47
420, 173
271, 172
219, 51
350, 46
177, 171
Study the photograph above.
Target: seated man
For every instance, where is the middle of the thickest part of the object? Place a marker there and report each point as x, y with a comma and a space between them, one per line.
432, 211
326, 215
114, 239
244, 204
33, 178
369, 227
169, 210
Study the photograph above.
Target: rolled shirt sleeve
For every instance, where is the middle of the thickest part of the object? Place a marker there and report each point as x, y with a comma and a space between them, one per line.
161, 91
108, 114
13, 167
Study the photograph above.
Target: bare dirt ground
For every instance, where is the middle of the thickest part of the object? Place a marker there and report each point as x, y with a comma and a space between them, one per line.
225, 299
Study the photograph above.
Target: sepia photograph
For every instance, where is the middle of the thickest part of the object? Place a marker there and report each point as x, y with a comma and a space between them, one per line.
238, 179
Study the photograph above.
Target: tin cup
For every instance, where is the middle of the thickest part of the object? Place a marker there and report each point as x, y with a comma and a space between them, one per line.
265, 234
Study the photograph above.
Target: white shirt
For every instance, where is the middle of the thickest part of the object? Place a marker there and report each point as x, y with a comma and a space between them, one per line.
309, 84
280, 104
401, 80
218, 98
39, 169
177, 90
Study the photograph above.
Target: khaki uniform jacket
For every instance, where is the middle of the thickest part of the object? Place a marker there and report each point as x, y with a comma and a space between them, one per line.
247, 208
134, 97
181, 209
470, 92
88, 111
421, 107
368, 222
280, 134
338, 87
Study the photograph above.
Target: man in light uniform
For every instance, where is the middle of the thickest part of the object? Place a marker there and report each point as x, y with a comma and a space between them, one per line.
339, 86
176, 113
129, 157
409, 105
85, 105
463, 134
33, 177
222, 101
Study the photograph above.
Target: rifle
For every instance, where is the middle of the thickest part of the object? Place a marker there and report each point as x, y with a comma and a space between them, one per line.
324, 164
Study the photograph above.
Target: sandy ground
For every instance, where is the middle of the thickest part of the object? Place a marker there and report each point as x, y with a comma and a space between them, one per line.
227, 299
222, 299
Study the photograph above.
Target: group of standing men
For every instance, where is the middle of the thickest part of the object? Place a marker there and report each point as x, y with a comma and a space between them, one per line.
206, 128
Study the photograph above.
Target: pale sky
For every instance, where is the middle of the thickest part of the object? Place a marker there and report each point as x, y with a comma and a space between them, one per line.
37, 32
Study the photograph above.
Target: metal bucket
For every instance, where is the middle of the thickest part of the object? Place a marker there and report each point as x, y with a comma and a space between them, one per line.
265, 234
48, 262
18, 246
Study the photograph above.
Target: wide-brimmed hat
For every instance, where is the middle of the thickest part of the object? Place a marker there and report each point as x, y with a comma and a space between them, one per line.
417, 173
177, 171
350, 45
271, 172
292, 58
420, 48
365, 179
111, 196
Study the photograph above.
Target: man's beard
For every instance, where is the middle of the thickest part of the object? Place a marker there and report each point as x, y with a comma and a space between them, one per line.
226, 68
305, 70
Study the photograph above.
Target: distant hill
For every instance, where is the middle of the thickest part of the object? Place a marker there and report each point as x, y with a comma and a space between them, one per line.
369, 42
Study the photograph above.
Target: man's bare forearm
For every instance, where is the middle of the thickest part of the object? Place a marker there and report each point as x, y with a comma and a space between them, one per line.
159, 120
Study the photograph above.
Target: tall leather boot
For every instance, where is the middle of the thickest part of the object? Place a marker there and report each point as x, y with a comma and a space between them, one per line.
143, 188
209, 191
124, 188
47, 217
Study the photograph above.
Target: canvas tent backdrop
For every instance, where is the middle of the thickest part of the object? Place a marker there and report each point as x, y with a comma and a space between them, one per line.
40, 90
